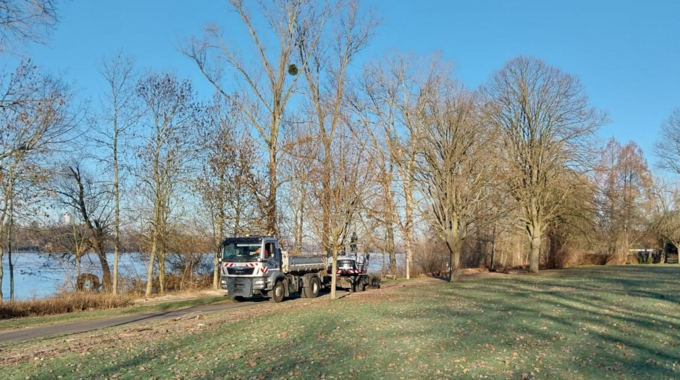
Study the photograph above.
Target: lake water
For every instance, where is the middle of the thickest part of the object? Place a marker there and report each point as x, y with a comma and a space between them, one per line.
39, 275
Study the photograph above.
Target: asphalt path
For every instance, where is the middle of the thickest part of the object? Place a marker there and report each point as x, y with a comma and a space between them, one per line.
63, 329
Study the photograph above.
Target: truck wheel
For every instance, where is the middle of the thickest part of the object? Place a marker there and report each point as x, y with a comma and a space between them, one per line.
238, 299
277, 293
314, 288
361, 287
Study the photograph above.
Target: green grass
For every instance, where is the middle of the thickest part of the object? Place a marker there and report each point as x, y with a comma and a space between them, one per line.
583, 323
98, 314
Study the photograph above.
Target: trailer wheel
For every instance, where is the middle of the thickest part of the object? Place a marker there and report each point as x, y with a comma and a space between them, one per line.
314, 288
277, 293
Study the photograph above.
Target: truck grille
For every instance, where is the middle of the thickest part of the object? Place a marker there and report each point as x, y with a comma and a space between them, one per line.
240, 270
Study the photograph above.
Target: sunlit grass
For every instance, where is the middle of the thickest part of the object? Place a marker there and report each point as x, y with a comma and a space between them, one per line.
583, 323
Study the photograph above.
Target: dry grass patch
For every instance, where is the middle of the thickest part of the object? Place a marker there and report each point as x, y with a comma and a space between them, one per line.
65, 303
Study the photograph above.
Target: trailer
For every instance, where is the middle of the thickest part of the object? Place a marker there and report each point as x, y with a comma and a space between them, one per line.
352, 273
252, 266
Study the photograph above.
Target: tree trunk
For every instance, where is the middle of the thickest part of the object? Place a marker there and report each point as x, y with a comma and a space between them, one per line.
220, 237
116, 222
453, 243
408, 228
2, 270
409, 254
326, 196
9, 255
149, 271
493, 248
271, 197
10, 228
161, 268
535, 255
334, 271
391, 248
106, 270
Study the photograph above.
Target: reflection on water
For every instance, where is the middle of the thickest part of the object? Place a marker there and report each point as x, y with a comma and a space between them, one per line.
40, 275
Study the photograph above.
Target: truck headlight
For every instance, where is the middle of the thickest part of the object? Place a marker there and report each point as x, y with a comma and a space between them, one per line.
259, 281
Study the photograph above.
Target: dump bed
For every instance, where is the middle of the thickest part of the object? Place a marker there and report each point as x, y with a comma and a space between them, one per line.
292, 264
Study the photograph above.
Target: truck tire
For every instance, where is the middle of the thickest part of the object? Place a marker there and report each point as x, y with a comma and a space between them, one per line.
277, 293
313, 288
238, 299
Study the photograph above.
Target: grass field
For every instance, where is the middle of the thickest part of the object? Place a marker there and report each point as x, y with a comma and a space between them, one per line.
583, 323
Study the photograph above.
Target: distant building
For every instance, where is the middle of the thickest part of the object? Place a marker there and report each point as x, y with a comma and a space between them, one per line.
65, 219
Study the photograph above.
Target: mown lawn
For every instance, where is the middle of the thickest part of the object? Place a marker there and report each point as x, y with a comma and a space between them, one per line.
584, 323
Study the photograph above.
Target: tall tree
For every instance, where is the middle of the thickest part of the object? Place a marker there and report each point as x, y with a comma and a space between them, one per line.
90, 199
263, 101
37, 117
667, 148
391, 103
623, 198
227, 182
454, 169
545, 123
120, 111
326, 78
666, 220
166, 149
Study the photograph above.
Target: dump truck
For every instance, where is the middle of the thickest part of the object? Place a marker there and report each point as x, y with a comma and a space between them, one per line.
252, 266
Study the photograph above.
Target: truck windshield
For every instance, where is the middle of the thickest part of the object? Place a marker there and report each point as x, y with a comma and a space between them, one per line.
241, 250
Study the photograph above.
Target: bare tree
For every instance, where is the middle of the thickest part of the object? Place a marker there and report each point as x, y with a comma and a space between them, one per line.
624, 184
227, 183
545, 122
666, 221
90, 200
343, 201
120, 111
667, 148
390, 105
326, 76
263, 101
37, 118
23, 21
301, 151
453, 168
164, 153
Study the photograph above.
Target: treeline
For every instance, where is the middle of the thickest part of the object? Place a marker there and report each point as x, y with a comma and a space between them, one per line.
303, 140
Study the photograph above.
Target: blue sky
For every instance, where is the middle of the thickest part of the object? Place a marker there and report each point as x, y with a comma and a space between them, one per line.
627, 53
